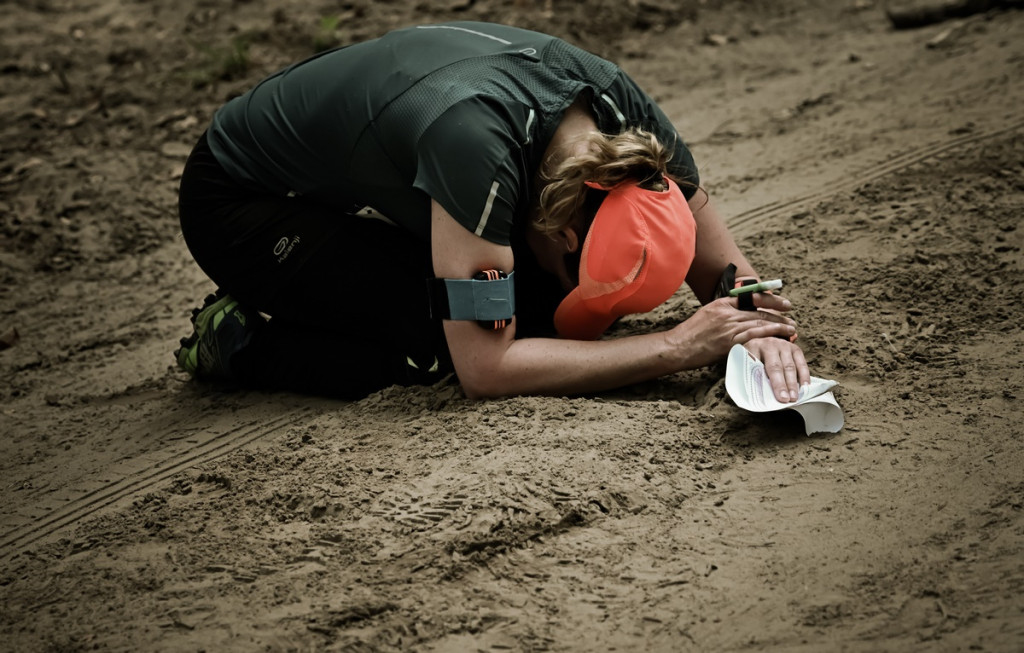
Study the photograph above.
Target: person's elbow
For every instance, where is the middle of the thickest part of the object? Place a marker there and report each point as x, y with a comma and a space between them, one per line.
482, 361
486, 375
483, 382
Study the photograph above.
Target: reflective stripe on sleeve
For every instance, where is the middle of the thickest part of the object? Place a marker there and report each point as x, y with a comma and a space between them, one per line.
615, 108
487, 209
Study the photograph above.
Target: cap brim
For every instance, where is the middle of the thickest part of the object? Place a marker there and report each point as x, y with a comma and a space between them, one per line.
574, 320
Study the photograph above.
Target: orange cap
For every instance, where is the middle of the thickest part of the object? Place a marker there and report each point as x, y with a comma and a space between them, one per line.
635, 256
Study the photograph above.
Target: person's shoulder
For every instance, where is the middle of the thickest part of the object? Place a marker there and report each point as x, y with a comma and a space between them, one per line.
469, 161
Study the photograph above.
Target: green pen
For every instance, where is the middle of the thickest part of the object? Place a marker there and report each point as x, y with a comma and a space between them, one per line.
774, 284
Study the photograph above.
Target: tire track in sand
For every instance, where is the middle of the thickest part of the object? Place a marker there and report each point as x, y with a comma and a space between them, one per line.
146, 476
742, 223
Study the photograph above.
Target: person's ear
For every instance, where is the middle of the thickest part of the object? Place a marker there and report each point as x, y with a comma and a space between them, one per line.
570, 238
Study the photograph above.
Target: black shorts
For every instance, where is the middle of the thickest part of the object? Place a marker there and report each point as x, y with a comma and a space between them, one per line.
360, 279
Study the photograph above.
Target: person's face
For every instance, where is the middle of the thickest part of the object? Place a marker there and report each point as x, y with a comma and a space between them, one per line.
558, 254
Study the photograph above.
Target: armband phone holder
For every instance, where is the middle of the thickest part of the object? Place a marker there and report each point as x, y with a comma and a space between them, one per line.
488, 298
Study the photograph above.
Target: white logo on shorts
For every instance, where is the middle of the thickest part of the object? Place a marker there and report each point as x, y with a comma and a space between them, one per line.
284, 247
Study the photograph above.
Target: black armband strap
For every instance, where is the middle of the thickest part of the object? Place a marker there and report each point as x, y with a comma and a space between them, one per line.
728, 281
488, 298
745, 302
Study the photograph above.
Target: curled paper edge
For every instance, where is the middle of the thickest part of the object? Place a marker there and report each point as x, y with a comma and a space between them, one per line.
818, 408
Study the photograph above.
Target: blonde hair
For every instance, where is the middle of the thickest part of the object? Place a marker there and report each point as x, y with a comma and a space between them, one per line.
607, 161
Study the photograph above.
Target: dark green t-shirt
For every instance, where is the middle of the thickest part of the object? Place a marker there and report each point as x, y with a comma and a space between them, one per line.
458, 112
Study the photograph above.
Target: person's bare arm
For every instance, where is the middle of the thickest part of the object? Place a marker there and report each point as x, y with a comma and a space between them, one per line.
715, 250
494, 363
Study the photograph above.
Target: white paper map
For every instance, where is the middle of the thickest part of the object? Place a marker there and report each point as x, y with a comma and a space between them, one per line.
747, 384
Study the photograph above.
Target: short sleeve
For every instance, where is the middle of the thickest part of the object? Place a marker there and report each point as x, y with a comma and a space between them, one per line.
470, 162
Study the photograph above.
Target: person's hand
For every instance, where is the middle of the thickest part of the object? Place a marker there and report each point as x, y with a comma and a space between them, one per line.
785, 365
708, 335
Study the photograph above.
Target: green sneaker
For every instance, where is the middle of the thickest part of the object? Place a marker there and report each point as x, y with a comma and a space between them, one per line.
221, 327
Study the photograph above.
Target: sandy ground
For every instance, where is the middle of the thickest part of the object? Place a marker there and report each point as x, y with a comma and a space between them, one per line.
880, 172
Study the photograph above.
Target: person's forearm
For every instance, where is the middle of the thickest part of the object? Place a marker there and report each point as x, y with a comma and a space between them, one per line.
495, 364
548, 366
715, 250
